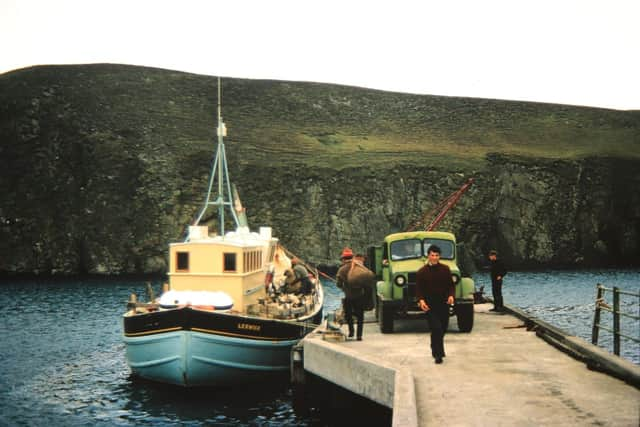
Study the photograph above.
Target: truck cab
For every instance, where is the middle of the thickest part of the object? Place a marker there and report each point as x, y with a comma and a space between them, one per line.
396, 263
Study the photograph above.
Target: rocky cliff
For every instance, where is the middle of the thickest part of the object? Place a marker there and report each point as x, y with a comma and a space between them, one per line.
101, 166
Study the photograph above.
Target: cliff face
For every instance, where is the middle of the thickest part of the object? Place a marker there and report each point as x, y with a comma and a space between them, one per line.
537, 213
561, 213
101, 167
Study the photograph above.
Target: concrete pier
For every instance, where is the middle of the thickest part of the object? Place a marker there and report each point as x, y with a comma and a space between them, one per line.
502, 373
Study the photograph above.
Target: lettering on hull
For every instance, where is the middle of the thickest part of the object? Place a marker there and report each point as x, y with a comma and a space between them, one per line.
249, 327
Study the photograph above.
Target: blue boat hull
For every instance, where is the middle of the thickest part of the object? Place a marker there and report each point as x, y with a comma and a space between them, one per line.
188, 347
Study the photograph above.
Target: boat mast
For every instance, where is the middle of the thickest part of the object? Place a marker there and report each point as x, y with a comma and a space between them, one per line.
224, 196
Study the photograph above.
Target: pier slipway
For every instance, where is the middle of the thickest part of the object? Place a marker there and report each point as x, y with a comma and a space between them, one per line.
500, 374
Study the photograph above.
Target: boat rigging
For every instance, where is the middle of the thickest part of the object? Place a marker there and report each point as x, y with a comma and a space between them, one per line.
225, 196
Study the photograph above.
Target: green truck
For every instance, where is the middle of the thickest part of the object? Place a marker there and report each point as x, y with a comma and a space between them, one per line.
396, 262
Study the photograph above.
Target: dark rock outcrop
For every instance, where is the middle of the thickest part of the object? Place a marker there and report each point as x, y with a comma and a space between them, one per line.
102, 166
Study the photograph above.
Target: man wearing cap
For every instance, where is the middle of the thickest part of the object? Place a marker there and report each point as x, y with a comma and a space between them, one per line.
435, 290
352, 301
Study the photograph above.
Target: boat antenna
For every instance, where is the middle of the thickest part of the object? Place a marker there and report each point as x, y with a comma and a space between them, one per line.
220, 171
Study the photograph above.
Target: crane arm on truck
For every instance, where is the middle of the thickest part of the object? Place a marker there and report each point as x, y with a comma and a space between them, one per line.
440, 210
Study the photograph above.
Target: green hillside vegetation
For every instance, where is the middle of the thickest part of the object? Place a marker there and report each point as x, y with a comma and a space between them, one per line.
318, 125
344, 127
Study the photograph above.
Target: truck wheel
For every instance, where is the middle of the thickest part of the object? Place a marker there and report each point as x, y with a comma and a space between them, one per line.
464, 313
386, 318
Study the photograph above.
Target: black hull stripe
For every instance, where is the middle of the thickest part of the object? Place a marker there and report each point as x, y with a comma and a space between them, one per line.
214, 323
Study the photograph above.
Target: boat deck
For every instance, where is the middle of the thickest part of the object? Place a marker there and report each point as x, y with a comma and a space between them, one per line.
501, 373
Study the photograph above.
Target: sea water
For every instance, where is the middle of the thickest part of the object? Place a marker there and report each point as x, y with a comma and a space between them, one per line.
62, 360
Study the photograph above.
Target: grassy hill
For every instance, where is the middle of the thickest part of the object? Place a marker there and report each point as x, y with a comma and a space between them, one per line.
102, 165
315, 124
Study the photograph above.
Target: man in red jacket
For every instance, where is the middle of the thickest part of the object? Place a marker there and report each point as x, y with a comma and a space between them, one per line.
435, 290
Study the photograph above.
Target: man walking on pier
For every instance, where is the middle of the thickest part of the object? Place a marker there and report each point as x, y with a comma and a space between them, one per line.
352, 302
435, 290
498, 271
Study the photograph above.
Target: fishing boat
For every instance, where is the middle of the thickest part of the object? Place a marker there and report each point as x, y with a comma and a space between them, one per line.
232, 308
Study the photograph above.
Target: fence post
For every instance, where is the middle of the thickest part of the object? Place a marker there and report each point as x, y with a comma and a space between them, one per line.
616, 321
596, 315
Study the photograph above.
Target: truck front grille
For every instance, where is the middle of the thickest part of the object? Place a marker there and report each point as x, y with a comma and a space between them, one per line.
411, 285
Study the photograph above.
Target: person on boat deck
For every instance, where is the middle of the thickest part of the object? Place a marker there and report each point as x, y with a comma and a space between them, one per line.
435, 290
498, 271
352, 301
302, 276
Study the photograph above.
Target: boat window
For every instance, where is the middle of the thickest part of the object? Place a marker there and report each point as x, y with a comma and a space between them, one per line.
182, 261
406, 249
229, 261
447, 250
252, 261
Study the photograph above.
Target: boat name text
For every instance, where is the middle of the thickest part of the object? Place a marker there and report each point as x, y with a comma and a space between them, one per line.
249, 326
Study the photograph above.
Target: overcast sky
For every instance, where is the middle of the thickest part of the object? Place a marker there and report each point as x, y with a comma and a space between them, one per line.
580, 52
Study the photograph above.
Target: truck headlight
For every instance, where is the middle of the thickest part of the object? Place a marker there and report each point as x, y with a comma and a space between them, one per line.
399, 280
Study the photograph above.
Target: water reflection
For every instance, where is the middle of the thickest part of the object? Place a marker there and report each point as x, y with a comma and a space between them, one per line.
151, 403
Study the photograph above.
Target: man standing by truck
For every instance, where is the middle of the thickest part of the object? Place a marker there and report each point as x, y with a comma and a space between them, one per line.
354, 279
435, 290
498, 271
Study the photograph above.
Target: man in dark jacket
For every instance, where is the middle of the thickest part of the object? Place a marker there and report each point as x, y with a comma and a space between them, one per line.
353, 277
435, 290
498, 271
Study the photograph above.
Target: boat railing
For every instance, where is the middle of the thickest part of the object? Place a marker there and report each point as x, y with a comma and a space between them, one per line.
614, 308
